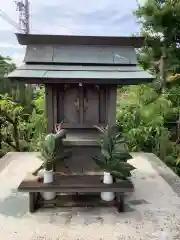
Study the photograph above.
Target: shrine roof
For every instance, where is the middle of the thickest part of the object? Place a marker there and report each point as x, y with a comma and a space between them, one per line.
85, 74
26, 39
86, 59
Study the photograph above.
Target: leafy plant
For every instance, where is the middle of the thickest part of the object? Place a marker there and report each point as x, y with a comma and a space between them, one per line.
52, 150
112, 158
11, 124
172, 158
36, 125
142, 116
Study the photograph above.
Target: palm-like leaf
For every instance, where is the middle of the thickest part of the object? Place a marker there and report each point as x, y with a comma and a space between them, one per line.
112, 159
52, 149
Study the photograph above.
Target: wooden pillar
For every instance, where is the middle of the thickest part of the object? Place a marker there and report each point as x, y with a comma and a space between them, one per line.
49, 107
111, 105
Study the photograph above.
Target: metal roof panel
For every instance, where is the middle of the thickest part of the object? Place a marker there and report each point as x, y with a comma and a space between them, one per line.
94, 54
35, 53
78, 67
26, 74
97, 75
42, 74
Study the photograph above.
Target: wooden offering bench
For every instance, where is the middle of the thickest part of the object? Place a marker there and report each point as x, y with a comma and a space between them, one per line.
73, 187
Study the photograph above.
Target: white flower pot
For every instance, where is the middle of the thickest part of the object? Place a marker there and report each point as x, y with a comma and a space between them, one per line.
107, 196
48, 178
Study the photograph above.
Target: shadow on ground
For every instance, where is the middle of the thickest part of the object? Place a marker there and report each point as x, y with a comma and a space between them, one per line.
15, 205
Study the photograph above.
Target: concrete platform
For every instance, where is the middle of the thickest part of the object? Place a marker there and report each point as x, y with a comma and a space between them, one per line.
152, 208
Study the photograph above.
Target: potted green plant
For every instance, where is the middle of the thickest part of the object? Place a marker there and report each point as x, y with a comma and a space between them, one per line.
52, 150
113, 159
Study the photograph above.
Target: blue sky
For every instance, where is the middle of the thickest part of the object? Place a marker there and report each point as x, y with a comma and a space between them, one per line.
80, 17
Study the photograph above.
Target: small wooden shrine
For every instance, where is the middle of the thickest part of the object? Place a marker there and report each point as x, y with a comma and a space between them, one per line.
80, 75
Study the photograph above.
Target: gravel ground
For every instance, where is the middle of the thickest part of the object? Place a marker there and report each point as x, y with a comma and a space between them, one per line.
152, 208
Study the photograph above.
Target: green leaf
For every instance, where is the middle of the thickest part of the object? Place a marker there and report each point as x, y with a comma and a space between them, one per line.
105, 153
120, 175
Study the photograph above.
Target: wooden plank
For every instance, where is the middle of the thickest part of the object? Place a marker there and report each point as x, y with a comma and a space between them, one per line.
49, 107
102, 105
81, 126
120, 202
60, 103
55, 106
111, 117
91, 105
46, 188
99, 80
77, 201
71, 105
81, 103
32, 202
29, 186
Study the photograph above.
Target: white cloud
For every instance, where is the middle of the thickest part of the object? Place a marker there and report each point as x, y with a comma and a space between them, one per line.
10, 45
17, 58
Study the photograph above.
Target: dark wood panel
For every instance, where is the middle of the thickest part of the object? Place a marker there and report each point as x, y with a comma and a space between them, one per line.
49, 107
104, 81
77, 201
102, 105
71, 105
73, 189
91, 104
75, 183
81, 126
111, 105
55, 105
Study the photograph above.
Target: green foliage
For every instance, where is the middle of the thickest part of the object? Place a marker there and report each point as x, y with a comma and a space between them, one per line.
36, 126
145, 111
141, 115
161, 27
21, 131
11, 124
112, 158
52, 150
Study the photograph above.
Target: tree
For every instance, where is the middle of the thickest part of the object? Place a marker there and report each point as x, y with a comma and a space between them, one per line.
19, 92
18, 120
160, 21
11, 123
144, 113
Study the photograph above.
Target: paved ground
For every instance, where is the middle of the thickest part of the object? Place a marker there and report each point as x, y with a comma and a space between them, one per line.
154, 206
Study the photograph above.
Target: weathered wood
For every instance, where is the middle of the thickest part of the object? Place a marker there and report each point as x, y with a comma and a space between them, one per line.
111, 117
84, 126
55, 104
98, 80
102, 105
81, 106
75, 183
120, 202
49, 107
60, 103
71, 184
91, 104
32, 202
71, 103
86, 200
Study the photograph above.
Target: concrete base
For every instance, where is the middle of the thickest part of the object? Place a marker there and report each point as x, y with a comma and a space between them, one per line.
153, 207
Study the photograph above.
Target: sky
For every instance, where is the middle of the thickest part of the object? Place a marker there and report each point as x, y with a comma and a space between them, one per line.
79, 17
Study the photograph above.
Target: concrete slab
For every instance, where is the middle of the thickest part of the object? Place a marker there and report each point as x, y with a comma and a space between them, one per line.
154, 206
